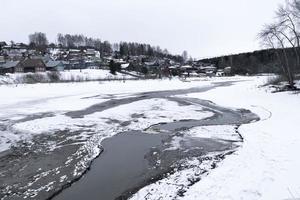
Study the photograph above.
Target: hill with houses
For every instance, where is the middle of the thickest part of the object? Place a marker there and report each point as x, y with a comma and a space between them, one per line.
138, 60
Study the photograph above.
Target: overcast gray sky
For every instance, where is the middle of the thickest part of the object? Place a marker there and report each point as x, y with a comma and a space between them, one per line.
202, 27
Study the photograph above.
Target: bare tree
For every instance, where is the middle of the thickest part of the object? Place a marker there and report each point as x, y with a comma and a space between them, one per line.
287, 27
38, 38
165, 51
295, 8
39, 41
272, 37
185, 56
61, 40
283, 36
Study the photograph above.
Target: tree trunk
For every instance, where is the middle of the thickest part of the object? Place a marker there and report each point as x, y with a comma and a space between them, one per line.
289, 73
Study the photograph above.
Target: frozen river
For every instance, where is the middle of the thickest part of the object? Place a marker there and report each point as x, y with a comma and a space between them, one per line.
133, 139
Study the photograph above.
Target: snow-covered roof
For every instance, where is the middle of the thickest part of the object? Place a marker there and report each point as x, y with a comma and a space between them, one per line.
124, 66
88, 61
9, 64
74, 50
211, 67
186, 67
52, 63
151, 63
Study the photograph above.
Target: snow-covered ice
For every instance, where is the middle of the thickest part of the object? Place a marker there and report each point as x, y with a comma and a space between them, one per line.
21, 101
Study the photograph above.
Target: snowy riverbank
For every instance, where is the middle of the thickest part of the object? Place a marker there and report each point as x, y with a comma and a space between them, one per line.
64, 76
267, 165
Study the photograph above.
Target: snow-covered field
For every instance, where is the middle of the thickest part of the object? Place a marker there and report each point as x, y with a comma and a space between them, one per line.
264, 167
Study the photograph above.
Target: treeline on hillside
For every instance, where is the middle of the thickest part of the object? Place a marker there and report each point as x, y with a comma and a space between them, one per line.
39, 41
136, 49
263, 61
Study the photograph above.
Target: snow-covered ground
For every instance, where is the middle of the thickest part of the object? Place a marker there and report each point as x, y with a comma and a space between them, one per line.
266, 166
64, 76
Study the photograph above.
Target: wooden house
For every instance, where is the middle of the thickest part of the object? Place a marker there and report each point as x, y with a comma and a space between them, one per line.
31, 65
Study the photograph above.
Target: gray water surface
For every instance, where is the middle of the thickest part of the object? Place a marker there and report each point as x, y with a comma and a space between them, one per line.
122, 165
130, 161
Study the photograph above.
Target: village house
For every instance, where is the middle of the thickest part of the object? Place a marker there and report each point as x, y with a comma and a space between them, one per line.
153, 66
224, 72
14, 53
93, 67
30, 65
188, 71
92, 59
90, 64
75, 58
92, 53
228, 71
220, 72
58, 53
209, 70
175, 70
8, 67
2, 44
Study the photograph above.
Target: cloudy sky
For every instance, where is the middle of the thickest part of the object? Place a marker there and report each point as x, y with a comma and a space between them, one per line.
204, 28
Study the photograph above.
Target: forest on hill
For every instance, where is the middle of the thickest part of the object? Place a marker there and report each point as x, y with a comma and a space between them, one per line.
262, 61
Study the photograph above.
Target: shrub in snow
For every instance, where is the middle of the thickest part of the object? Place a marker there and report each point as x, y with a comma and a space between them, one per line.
54, 76
32, 78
